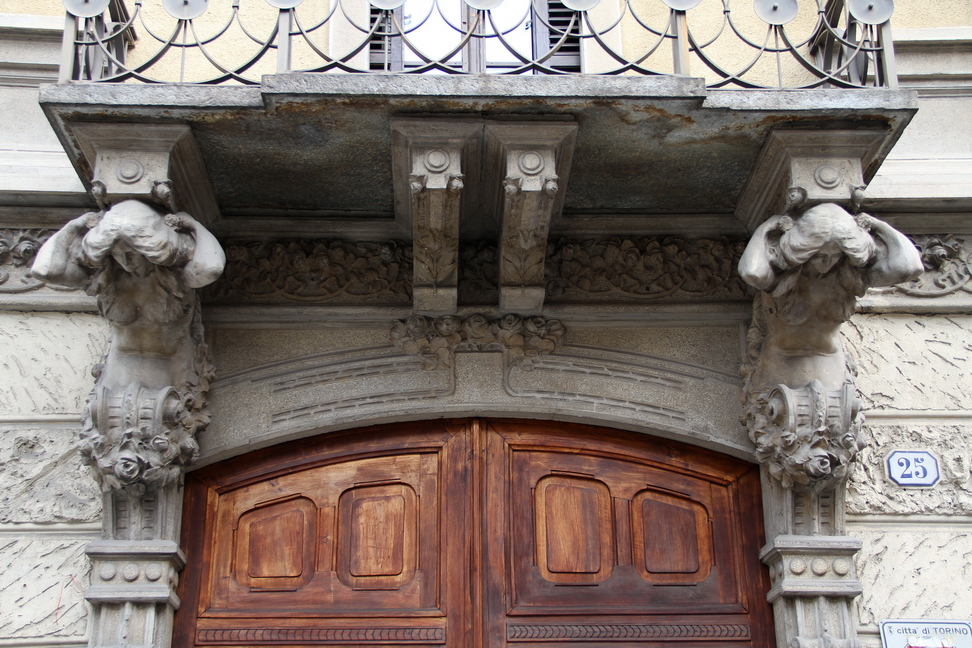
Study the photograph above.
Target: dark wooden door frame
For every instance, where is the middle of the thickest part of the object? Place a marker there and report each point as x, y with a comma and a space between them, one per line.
477, 534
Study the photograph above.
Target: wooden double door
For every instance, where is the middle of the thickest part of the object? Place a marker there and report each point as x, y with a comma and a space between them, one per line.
475, 533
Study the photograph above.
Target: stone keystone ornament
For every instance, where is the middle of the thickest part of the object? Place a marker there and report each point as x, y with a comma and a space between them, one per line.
149, 398
801, 401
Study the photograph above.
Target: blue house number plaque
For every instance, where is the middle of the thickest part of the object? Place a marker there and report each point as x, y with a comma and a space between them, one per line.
913, 468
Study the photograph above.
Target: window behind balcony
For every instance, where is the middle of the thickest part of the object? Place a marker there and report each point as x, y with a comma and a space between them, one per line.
506, 39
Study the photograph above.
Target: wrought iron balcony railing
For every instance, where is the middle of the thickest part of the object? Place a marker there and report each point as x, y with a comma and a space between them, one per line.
770, 44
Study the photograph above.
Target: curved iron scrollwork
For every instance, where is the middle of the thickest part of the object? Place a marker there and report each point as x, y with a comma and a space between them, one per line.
779, 45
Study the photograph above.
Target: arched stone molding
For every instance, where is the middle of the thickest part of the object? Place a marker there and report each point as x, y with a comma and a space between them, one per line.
633, 387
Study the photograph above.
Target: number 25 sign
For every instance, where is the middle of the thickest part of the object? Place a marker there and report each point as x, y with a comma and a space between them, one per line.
913, 468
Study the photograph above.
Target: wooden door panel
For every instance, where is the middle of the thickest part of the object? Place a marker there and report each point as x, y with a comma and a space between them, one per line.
575, 538
346, 541
274, 545
595, 540
360, 529
672, 542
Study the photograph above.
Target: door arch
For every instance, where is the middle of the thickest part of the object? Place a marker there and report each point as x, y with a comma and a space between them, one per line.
475, 533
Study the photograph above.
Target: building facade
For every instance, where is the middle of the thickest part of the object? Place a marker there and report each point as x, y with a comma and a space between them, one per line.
639, 344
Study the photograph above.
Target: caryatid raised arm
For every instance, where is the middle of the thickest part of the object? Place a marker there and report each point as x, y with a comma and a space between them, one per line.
802, 404
149, 397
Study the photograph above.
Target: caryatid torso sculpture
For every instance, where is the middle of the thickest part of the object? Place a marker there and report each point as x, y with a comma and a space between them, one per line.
802, 405
149, 397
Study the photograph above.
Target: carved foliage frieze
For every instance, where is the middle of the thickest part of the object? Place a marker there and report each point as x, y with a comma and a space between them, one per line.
633, 268
315, 270
437, 339
639, 268
644, 268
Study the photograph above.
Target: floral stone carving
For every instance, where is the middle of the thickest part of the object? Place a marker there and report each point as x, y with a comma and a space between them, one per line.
149, 398
17, 251
801, 401
644, 268
316, 270
947, 265
437, 339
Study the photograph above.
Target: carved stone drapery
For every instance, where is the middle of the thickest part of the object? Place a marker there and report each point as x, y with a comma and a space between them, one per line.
802, 407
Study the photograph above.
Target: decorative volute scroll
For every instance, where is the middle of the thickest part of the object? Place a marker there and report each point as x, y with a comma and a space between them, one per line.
143, 260
438, 155
527, 166
802, 410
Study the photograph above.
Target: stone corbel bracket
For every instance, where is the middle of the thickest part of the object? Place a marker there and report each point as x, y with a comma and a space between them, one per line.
431, 161
157, 162
828, 164
527, 165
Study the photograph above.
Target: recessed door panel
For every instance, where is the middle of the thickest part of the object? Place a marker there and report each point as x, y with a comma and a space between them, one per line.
378, 532
672, 541
275, 545
575, 535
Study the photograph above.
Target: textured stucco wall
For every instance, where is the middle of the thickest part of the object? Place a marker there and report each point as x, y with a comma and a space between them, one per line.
50, 507
915, 374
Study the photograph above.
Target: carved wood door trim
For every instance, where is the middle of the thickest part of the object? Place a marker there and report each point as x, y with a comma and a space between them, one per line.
475, 534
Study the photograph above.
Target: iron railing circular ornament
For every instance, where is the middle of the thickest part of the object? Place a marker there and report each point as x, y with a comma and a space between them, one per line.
483, 5
776, 12
284, 4
871, 12
581, 5
387, 5
185, 9
682, 5
86, 8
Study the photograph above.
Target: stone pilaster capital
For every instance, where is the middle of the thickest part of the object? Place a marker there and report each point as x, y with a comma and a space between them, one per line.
808, 566
129, 571
827, 165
